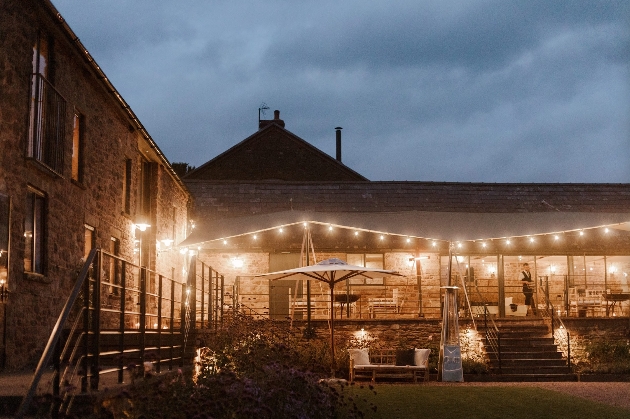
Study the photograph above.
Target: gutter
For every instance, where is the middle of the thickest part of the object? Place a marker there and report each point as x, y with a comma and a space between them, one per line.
112, 91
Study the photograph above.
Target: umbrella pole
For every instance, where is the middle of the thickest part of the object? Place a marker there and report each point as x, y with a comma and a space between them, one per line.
332, 331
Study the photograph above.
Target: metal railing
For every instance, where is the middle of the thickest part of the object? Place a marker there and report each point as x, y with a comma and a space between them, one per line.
47, 124
492, 334
118, 316
559, 332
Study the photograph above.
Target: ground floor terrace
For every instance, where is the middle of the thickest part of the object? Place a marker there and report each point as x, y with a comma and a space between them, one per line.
579, 263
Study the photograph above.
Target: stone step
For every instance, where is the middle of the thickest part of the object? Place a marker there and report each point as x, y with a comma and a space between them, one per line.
524, 343
563, 369
528, 363
527, 355
532, 377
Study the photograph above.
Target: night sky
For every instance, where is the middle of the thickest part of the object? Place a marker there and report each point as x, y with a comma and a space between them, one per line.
467, 91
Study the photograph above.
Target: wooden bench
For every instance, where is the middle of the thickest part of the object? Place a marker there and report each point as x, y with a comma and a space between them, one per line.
382, 363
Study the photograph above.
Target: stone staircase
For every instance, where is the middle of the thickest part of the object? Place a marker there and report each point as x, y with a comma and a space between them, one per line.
528, 353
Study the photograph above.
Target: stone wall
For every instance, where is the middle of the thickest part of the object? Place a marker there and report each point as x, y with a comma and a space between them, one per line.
110, 138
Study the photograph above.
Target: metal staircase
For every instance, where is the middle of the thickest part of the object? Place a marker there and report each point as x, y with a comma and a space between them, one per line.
119, 316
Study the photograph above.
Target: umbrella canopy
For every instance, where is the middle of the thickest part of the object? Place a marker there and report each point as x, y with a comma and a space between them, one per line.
330, 271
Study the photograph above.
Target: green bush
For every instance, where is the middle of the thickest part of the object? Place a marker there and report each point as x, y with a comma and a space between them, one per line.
605, 356
248, 369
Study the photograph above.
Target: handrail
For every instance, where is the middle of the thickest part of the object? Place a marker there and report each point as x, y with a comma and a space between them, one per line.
81, 349
55, 335
493, 336
548, 313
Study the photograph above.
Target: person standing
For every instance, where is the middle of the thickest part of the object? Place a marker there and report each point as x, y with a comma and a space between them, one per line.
528, 289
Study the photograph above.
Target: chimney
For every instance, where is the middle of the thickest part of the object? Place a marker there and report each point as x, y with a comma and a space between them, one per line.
338, 129
276, 120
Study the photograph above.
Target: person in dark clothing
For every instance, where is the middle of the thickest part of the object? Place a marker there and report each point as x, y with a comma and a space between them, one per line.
528, 289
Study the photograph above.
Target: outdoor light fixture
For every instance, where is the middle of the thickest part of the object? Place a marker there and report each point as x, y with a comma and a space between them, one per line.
434, 244
237, 263
408, 240
183, 250
459, 245
531, 240
581, 233
329, 228
606, 230
555, 237
382, 237
281, 230
142, 223
255, 236
224, 241
167, 242
508, 241
356, 233
483, 244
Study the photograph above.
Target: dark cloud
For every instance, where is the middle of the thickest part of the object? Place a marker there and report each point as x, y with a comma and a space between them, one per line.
459, 90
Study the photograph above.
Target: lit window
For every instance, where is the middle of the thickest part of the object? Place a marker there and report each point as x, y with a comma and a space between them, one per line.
34, 230
89, 240
77, 147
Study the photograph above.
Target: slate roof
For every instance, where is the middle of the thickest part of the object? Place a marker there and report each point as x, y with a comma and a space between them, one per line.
223, 199
274, 153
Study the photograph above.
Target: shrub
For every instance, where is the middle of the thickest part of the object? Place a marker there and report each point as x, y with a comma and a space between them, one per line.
249, 368
605, 356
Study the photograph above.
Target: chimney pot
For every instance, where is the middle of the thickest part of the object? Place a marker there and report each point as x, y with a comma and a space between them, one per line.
276, 114
338, 135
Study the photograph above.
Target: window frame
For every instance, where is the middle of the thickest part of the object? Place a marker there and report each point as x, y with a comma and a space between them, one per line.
37, 243
78, 145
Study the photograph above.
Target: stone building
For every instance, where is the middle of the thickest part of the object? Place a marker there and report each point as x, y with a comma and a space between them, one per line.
251, 219
78, 170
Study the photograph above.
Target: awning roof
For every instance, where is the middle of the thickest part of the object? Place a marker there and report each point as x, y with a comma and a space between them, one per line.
450, 226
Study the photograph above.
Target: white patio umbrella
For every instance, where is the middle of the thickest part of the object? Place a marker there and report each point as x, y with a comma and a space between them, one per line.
330, 271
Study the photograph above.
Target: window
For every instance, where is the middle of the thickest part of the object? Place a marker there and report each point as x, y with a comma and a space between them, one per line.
47, 110
89, 242
34, 231
4, 236
146, 177
77, 147
127, 187
113, 272
368, 260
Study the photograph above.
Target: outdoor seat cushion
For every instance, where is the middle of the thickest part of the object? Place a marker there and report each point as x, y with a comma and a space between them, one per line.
421, 357
405, 357
359, 356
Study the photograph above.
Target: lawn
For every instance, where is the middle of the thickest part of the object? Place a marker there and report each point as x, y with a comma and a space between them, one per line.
442, 402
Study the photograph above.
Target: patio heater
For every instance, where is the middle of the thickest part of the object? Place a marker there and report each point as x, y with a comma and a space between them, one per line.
450, 368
